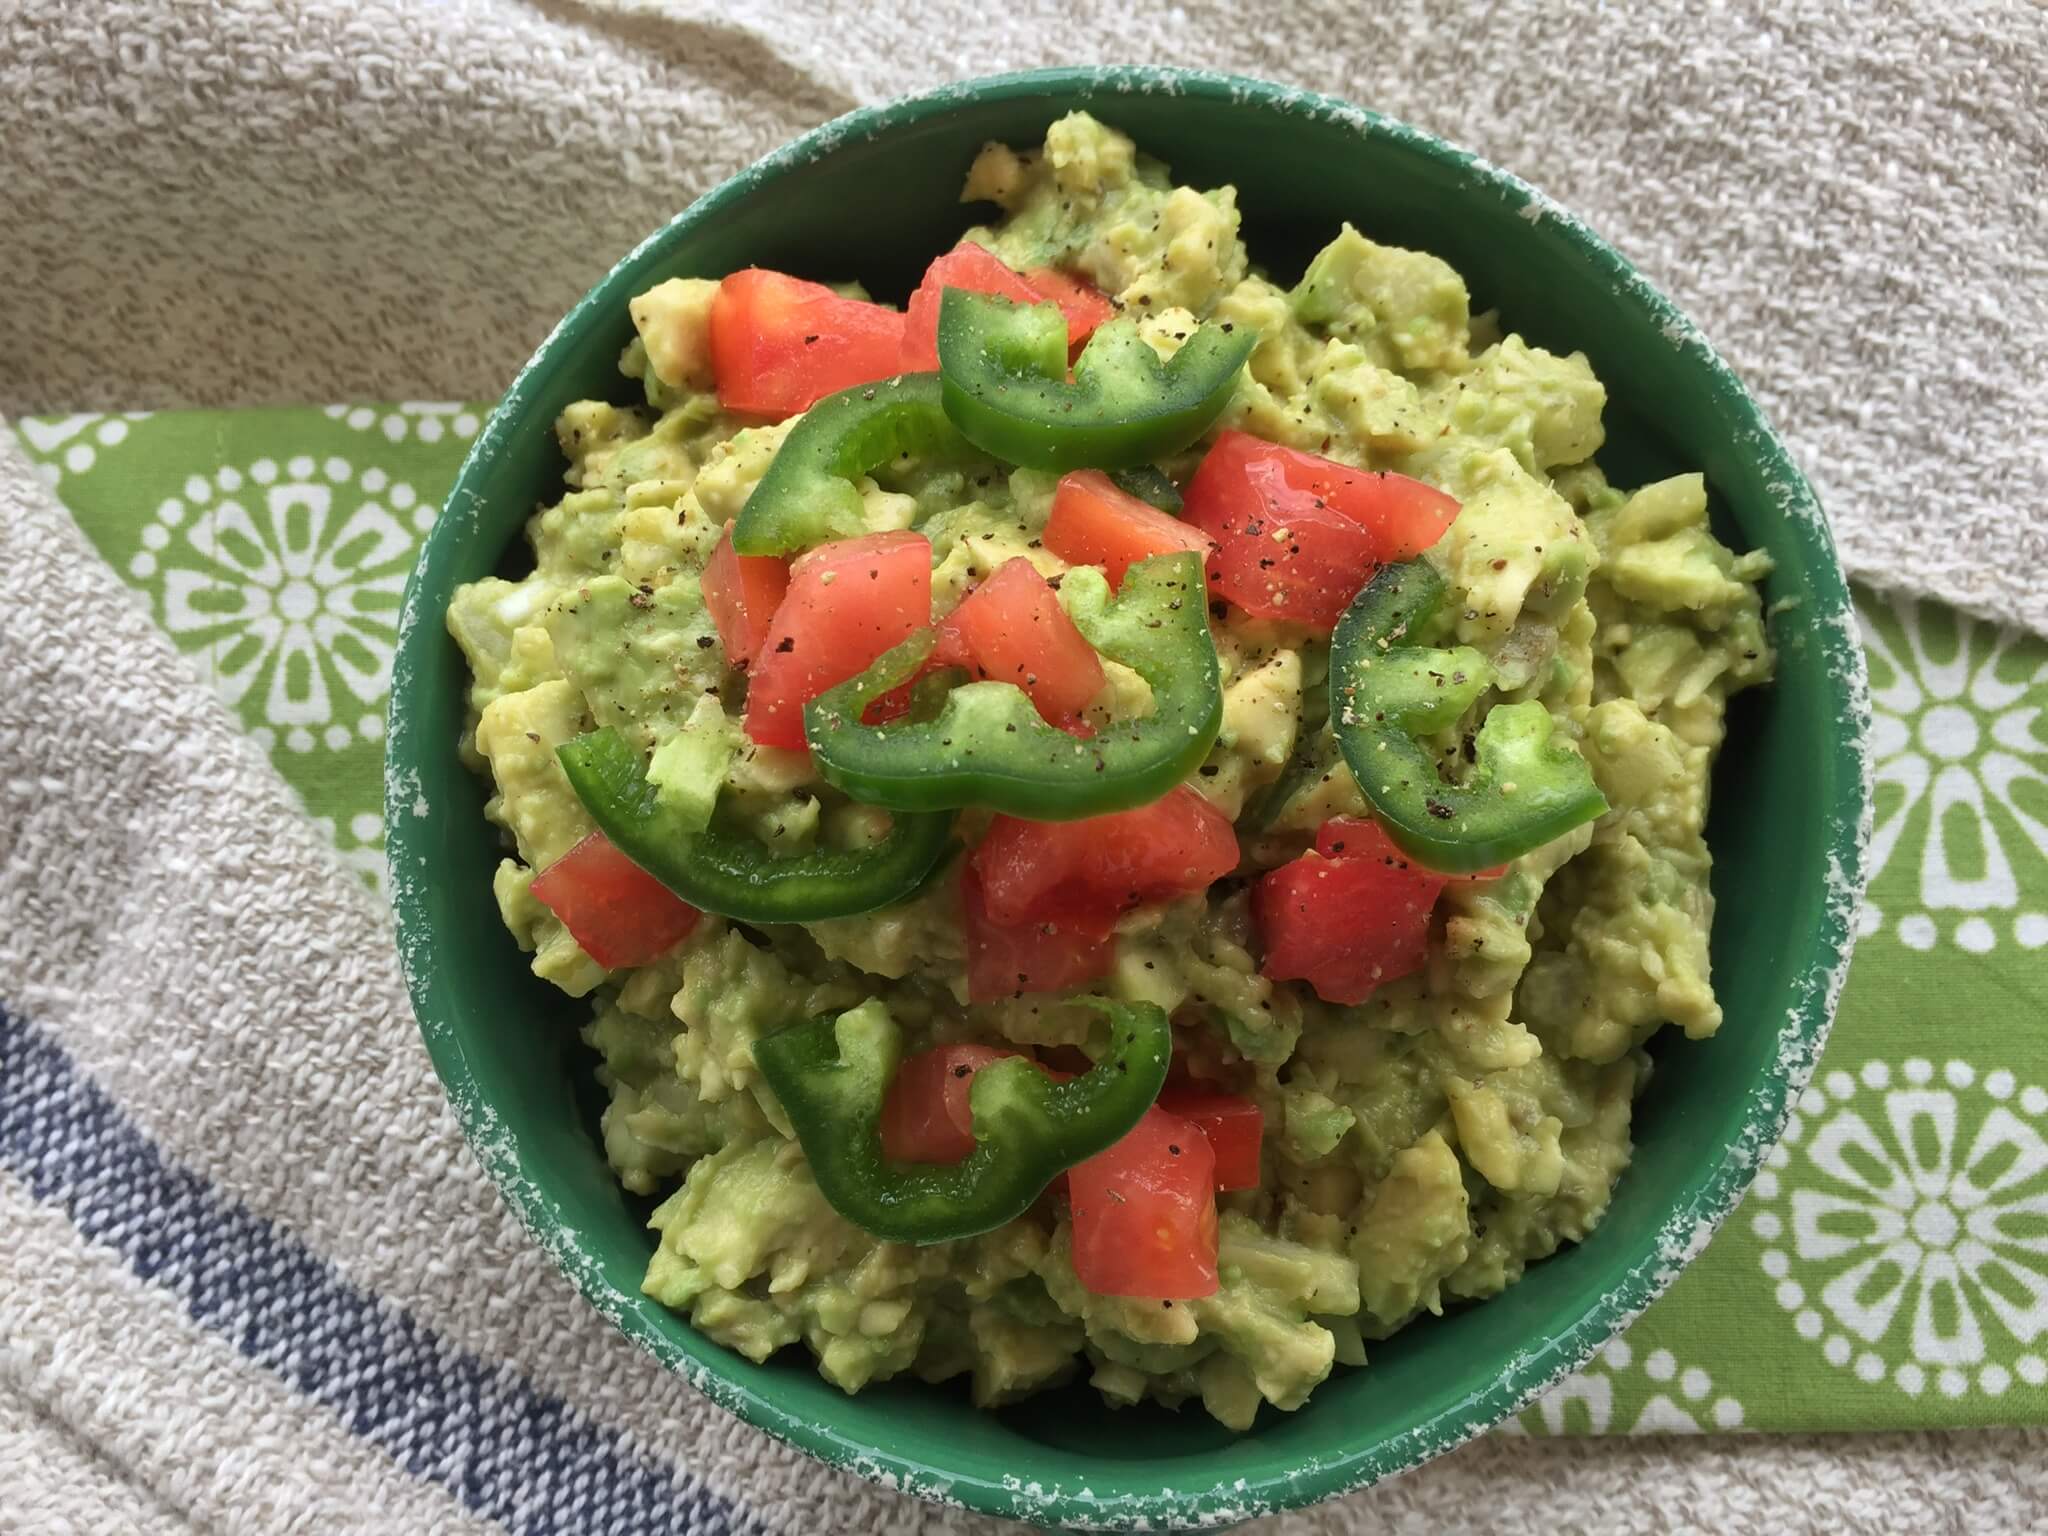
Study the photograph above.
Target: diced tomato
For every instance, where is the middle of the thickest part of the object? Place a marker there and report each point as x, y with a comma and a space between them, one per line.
1089, 872
980, 270
1350, 923
1233, 1124
1084, 305
1298, 534
1094, 523
780, 344
893, 705
1010, 960
617, 913
969, 266
926, 1116
847, 602
742, 593
1012, 629
1360, 837
1144, 1213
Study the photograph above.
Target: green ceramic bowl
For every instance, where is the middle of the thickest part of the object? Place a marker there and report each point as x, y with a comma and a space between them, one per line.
873, 196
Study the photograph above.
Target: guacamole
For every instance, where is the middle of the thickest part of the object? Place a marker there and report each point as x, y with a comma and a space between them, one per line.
1421, 1135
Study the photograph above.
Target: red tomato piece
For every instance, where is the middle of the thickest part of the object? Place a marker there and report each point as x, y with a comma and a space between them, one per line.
1012, 959
742, 592
1084, 305
1094, 523
969, 266
1298, 534
1012, 629
949, 649
980, 270
926, 1117
893, 705
1357, 837
1360, 837
1144, 1213
1233, 1124
847, 602
780, 344
1346, 924
617, 913
1093, 870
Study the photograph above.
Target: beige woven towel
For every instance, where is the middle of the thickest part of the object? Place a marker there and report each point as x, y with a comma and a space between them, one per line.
312, 199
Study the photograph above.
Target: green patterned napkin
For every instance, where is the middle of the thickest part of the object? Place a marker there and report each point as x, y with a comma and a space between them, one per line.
1890, 1267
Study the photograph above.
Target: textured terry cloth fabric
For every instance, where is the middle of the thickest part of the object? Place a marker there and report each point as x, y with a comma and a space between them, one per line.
262, 201
255, 1282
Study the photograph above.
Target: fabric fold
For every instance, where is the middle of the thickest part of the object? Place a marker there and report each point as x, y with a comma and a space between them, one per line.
345, 198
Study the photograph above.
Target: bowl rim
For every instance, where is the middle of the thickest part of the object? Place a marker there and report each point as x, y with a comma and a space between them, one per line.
1687, 1227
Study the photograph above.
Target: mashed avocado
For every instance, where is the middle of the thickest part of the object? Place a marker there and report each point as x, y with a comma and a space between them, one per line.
1421, 1147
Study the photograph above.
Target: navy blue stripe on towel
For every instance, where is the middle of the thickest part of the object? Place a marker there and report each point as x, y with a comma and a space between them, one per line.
507, 1451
